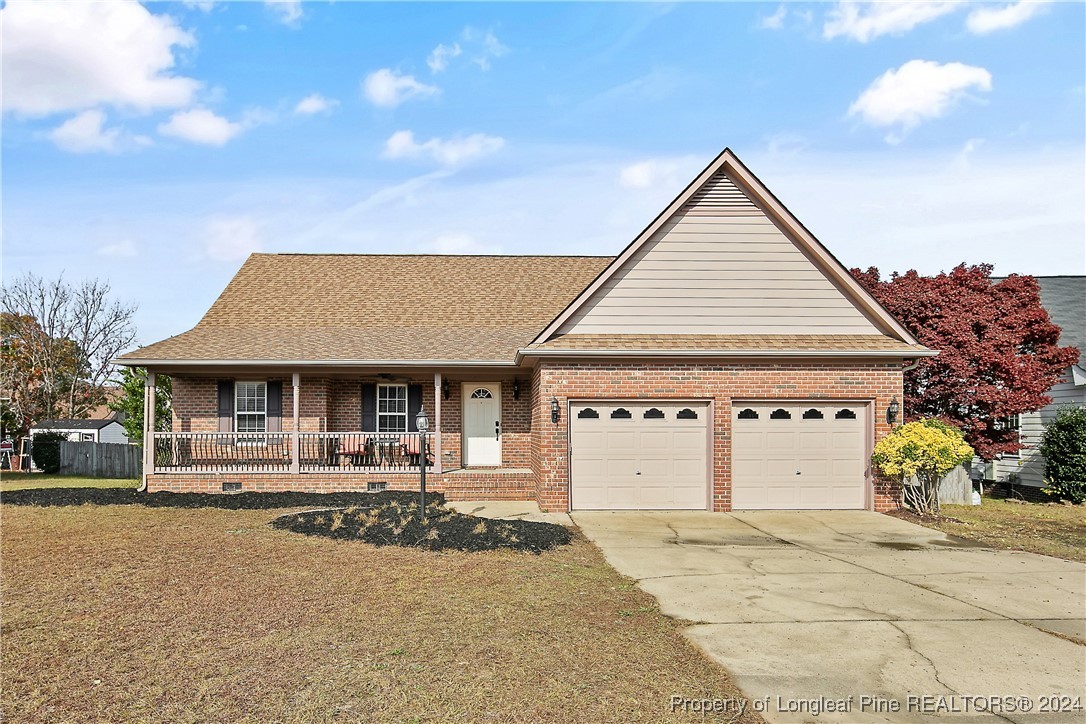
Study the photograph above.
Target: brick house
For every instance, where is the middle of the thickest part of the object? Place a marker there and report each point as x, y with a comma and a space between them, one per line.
724, 360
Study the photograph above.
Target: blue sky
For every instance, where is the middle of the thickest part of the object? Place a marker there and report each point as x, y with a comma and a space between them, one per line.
157, 145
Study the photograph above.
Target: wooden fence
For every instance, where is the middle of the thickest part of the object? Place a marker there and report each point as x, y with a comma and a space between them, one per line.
101, 459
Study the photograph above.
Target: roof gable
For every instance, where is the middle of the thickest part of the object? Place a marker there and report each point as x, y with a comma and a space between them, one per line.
725, 257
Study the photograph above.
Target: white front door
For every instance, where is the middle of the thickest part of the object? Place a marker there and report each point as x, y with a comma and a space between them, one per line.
482, 424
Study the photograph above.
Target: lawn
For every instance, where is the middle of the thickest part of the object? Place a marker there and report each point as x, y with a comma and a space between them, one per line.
21, 481
1049, 529
114, 613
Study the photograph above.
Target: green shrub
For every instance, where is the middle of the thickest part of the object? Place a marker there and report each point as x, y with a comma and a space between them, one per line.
46, 451
1064, 448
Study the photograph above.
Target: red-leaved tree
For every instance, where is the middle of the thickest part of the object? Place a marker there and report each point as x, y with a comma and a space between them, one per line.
998, 349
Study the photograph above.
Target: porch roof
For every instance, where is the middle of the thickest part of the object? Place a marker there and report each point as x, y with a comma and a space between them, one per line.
359, 308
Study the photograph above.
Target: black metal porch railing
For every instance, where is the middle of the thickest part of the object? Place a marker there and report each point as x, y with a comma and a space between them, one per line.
271, 452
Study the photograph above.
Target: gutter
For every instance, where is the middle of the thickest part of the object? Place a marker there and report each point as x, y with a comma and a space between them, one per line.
718, 353
137, 362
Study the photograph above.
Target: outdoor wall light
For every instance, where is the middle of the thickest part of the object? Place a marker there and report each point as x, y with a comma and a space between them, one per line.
892, 410
516, 389
444, 388
554, 410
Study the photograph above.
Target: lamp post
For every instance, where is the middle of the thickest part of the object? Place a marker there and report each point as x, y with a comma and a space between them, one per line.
422, 424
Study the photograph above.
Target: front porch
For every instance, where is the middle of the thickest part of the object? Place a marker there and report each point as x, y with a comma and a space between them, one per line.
324, 431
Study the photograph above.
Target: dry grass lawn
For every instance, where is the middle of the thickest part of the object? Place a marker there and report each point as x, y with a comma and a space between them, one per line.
1049, 529
22, 481
116, 613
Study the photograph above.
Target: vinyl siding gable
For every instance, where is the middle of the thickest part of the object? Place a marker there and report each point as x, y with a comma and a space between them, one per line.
720, 266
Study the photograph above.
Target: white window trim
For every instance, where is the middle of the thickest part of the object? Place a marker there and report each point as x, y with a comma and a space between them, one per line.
254, 441
1018, 429
377, 414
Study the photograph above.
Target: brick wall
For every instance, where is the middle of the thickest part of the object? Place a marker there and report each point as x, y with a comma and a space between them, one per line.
717, 382
530, 440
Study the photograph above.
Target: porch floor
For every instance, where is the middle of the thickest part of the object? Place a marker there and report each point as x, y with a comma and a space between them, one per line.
509, 510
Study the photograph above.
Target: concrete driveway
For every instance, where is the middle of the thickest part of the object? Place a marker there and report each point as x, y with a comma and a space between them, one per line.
832, 604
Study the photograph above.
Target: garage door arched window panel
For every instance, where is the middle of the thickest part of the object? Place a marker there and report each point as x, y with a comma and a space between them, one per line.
588, 414
748, 414
780, 414
845, 414
621, 414
481, 394
654, 413
813, 414
686, 414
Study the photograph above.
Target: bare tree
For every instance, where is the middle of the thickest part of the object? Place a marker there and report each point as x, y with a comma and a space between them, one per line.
67, 336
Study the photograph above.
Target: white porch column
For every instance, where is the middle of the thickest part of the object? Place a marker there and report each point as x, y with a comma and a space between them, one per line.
149, 399
295, 437
437, 422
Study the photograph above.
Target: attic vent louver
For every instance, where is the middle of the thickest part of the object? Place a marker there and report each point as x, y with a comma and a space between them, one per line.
720, 197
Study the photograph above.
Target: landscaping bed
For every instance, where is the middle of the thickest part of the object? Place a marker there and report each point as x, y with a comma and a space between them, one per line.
49, 497
396, 523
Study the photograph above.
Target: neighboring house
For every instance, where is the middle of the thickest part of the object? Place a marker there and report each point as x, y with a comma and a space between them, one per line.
724, 360
1064, 297
110, 430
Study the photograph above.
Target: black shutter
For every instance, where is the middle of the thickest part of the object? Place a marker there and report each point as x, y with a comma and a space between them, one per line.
414, 404
226, 405
275, 406
369, 407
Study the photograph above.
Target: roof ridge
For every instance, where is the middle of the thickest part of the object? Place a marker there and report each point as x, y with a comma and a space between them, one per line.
442, 256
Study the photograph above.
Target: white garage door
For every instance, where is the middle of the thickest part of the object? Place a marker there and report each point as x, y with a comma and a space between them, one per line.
798, 456
645, 455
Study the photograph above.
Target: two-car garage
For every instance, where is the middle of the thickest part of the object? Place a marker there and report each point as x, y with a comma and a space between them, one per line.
658, 454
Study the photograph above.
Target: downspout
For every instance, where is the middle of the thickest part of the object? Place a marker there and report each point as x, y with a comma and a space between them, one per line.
911, 366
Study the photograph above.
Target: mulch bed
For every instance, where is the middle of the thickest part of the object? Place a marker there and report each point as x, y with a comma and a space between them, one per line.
47, 497
397, 524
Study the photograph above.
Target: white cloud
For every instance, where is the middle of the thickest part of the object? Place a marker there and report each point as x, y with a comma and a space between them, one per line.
917, 91
85, 133
989, 19
124, 249
440, 56
388, 89
865, 21
61, 57
313, 104
774, 21
202, 126
460, 243
230, 238
288, 12
491, 47
204, 6
447, 152
647, 174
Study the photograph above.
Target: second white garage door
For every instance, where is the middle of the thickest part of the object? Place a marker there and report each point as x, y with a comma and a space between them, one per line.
645, 455
798, 456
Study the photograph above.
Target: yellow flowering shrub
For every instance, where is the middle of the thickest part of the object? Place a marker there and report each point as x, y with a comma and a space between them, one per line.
927, 449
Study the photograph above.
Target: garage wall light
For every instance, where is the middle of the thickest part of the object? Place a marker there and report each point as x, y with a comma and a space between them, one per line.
444, 388
554, 410
516, 389
892, 411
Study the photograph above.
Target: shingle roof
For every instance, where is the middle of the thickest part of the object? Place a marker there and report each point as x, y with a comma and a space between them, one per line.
72, 424
736, 343
1065, 299
355, 307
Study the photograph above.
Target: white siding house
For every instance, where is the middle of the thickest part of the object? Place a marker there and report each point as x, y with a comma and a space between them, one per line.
85, 430
1064, 297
